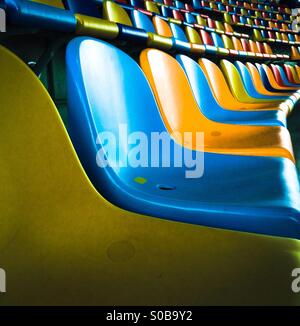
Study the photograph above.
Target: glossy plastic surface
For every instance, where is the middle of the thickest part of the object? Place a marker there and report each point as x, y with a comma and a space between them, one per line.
213, 111
102, 106
65, 222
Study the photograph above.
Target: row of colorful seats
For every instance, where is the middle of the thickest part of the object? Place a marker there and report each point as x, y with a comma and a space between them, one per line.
270, 36
178, 10
61, 231
241, 109
194, 39
223, 5
246, 12
233, 19
136, 25
263, 6
186, 18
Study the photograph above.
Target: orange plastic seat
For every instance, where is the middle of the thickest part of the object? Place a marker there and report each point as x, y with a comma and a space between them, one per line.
181, 113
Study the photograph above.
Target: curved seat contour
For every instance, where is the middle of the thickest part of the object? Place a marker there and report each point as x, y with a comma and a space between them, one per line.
182, 114
103, 106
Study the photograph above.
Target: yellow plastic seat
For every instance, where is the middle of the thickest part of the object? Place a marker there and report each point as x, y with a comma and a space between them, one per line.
294, 73
257, 35
63, 244
151, 6
229, 45
115, 13
201, 21
220, 27
195, 40
181, 113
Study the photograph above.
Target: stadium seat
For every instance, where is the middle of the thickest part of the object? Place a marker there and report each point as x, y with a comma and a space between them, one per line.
213, 111
238, 88
223, 93
165, 75
143, 189
256, 77
250, 86
133, 129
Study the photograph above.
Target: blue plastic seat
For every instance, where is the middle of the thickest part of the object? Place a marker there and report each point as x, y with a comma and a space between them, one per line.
143, 24
37, 15
142, 21
180, 40
179, 5
166, 12
213, 111
225, 196
291, 37
197, 4
190, 19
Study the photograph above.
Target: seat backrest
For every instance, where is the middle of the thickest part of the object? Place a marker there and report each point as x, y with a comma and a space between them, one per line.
151, 6
217, 81
257, 34
245, 45
247, 79
201, 20
200, 85
190, 18
206, 38
193, 36
178, 33
289, 74
280, 75
257, 78
269, 77
227, 42
115, 13
177, 15
237, 44
172, 91
228, 28
235, 82
294, 73
253, 47
162, 27
142, 21
99, 104
217, 40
